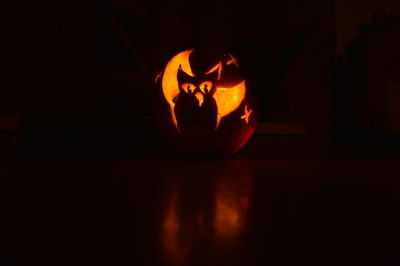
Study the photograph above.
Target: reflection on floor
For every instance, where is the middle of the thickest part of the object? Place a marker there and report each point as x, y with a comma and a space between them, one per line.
249, 209
204, 213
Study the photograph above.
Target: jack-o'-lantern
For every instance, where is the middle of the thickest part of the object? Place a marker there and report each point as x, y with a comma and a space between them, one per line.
204, 103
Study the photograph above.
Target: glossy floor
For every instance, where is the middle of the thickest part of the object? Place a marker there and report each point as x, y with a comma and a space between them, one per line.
245, 210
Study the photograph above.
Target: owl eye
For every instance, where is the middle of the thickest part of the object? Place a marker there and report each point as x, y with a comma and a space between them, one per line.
206, 86
188, 87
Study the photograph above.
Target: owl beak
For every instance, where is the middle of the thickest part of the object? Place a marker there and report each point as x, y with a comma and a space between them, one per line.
200, 98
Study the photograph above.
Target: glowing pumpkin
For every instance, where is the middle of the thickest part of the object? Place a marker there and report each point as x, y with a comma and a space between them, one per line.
203, 103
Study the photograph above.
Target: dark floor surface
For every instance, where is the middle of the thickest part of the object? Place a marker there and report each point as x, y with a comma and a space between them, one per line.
340, 207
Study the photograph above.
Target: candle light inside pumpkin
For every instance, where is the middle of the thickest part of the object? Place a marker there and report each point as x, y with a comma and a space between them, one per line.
208, 98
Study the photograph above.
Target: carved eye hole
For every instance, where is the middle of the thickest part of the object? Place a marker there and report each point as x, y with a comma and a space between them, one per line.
206, 86
188, 87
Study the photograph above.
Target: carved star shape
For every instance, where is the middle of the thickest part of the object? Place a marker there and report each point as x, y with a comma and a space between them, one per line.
246, 114
232, 60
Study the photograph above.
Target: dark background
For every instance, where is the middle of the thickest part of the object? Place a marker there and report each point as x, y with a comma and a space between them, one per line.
84, 179
98, 57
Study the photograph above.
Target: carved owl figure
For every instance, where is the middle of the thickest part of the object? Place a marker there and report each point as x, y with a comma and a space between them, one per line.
207, 106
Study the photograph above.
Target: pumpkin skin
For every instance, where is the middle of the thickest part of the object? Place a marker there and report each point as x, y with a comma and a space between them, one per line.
203, 104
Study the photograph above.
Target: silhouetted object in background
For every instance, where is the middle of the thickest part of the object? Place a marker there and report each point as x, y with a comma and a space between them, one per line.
380, 21
368, 84
273, 79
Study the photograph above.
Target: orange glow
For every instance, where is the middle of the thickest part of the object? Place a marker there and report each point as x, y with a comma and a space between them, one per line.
200, 98
205, 87
227, 99
228, 219
217, 66
188, 87
232, 201
170, 82
232, 60
231, 206
175, 248
157, 77
246, 114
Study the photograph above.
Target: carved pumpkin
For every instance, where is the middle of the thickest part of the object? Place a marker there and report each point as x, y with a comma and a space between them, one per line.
204, 103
